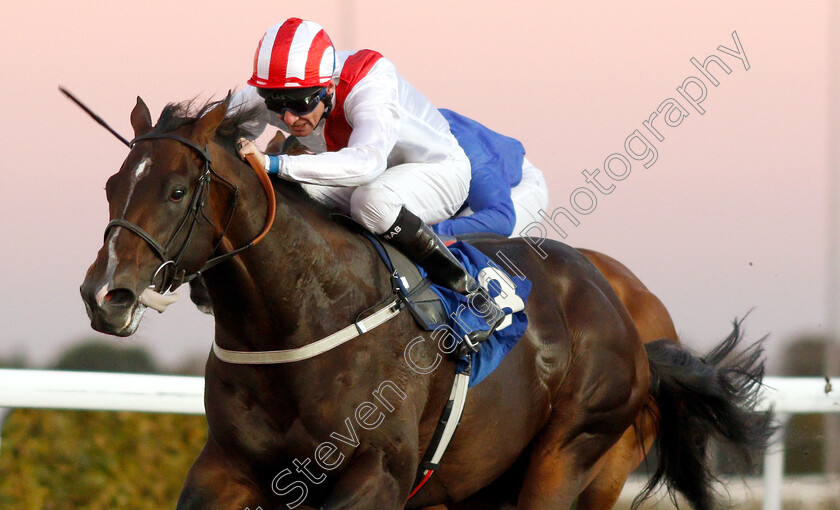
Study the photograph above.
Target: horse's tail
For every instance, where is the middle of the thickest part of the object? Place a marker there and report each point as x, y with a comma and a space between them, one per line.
698, 398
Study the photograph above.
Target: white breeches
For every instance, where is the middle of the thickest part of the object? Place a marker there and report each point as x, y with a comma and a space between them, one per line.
432, 191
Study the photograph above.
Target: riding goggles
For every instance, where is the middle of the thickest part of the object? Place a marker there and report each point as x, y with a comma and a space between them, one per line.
299, 102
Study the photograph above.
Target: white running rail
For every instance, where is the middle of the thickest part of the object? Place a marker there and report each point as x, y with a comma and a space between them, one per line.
102, 391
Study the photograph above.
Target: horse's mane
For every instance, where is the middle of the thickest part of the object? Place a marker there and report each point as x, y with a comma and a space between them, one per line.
185, 113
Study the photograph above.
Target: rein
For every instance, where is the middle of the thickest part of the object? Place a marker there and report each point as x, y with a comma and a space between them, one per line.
169, 266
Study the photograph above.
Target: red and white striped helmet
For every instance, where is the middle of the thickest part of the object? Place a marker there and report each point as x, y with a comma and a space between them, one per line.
295, 53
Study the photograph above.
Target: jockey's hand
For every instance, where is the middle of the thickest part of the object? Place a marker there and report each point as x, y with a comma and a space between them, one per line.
247, 147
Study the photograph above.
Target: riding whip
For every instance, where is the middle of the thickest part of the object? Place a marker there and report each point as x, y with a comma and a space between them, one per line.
95, 117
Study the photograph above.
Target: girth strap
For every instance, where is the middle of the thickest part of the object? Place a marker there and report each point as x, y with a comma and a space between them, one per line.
448, 423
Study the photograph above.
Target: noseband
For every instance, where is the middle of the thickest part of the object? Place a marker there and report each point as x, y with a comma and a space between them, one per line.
170, 276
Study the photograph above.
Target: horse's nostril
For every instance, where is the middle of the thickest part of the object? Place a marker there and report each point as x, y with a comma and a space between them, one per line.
120, 297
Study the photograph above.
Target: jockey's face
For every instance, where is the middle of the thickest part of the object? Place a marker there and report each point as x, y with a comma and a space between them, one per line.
303, 125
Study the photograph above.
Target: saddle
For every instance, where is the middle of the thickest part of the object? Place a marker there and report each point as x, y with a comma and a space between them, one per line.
414, 290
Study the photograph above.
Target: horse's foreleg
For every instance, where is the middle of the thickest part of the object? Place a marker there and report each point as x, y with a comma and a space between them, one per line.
369, 482
214, 483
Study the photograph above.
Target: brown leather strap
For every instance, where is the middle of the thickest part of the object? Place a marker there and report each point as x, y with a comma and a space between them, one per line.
262, 175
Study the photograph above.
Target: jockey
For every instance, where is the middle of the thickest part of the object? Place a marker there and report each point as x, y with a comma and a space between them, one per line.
382, 152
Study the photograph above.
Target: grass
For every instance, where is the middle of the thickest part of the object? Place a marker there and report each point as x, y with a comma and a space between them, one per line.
62, 460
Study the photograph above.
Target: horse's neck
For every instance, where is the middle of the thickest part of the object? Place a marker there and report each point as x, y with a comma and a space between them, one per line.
305, 279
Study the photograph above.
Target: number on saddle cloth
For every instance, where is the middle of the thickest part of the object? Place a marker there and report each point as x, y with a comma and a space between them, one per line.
509, 291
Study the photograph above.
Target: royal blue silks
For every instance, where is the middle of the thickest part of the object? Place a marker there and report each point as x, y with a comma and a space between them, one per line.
496, 162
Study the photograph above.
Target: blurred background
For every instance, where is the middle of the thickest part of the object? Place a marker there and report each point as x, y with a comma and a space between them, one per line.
737, 215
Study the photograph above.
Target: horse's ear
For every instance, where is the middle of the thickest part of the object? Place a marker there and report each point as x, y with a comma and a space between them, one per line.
141, 119
205, 127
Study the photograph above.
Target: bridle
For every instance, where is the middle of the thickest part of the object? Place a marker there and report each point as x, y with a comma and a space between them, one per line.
168, 271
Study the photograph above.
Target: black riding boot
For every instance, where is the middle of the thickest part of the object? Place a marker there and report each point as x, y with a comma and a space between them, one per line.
420, 243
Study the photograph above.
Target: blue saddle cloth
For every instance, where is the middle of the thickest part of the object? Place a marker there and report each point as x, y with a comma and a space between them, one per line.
510, 293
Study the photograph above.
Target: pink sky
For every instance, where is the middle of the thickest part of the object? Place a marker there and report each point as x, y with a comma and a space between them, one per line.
731, 217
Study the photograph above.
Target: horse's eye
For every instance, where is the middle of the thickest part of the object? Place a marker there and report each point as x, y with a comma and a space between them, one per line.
178, 194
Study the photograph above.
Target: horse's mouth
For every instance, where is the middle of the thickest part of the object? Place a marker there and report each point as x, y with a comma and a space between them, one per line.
117, 323
124, 321
133, 320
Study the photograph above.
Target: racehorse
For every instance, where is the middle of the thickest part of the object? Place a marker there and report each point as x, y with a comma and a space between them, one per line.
597, 378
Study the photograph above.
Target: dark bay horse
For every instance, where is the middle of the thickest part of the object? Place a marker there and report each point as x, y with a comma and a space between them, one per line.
596, 380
